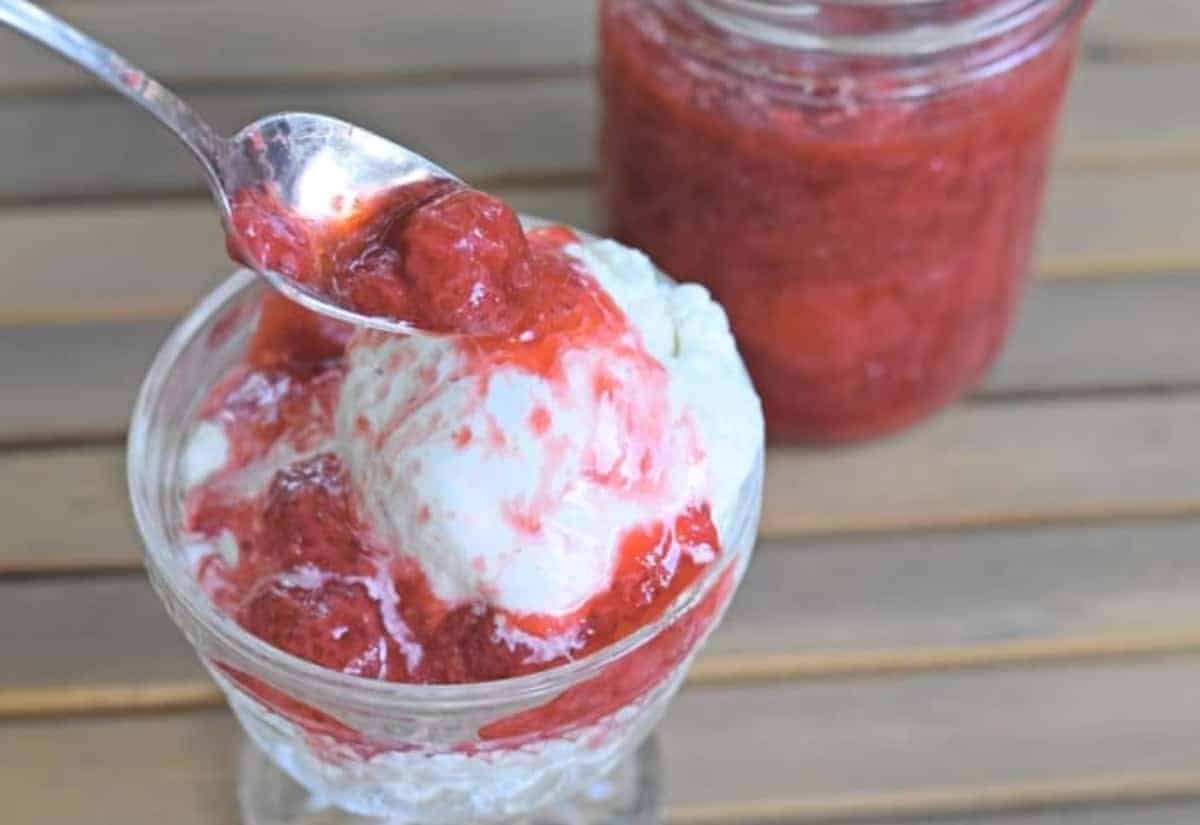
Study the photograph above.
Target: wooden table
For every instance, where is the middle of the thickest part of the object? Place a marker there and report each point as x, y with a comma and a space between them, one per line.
995, 617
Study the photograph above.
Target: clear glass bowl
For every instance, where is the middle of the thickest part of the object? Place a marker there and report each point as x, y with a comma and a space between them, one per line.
492, 751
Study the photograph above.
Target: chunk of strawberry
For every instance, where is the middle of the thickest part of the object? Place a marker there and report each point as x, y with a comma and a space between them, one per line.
288, 335
307, 518
335, 624
465, 259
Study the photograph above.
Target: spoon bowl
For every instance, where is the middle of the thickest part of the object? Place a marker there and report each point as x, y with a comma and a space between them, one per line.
314, 167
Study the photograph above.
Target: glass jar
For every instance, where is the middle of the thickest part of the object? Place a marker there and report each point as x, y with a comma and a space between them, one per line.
558, 742
857, 181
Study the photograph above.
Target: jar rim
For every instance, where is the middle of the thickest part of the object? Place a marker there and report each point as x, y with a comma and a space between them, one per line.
787, 23
148, 482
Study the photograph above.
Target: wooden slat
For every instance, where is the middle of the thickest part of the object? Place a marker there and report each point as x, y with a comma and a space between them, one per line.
315, 40
72, 382
375, 37
1114, 103
176, 769
483, 128
1173, 26
151, 261
945, 743
1081, 797
829, 738
1171, 813
74, 267
976, 464
81, 264
1079, 336
1104, 222
83, 631
1010, 463
956, 589
67, 510
814, 608
535, 126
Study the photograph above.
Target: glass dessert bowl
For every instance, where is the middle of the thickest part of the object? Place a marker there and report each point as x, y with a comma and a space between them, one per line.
553, 745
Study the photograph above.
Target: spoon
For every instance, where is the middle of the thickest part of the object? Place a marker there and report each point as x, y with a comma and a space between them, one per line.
308, 162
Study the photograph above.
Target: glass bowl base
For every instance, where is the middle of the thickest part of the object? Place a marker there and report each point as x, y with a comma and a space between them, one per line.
630, 795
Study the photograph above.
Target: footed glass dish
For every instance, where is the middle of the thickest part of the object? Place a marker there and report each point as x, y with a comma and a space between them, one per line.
567, 745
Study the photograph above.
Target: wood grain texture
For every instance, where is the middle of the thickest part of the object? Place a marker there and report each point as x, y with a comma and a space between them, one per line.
1169, 25
72, 382
1016, 675
1164, 813
1074, 799
941, 743
1131, 220
534, 126
1009, 463
68, 369
974, 465
824, 739
152, 261
85, 631
818, 608
68, 510
374, 38
313, 41
484, 128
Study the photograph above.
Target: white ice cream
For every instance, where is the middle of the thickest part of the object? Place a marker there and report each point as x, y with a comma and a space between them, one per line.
528, 521
518, 490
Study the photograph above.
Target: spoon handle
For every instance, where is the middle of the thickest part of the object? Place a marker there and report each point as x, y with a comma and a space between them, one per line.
101, 61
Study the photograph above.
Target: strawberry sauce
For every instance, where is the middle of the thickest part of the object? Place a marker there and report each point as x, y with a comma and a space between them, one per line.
309, 575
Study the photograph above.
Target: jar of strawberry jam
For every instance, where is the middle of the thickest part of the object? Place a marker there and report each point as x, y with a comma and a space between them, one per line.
857, 181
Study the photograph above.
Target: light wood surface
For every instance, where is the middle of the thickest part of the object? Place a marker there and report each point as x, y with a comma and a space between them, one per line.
965, 468
1179, 813
369, 39
804, 751
1073, 337
818, 607
152, 261
992, 619
532, 127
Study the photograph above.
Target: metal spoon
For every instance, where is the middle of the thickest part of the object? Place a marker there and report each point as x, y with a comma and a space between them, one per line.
309, 161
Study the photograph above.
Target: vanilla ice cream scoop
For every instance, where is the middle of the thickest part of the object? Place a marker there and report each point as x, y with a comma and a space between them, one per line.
517, 488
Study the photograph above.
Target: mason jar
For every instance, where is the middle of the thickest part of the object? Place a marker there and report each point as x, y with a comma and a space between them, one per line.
857, 181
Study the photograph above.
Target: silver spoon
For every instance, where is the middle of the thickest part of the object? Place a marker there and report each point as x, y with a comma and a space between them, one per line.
309, 161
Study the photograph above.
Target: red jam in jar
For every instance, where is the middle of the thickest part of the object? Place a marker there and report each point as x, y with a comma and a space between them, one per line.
858, 183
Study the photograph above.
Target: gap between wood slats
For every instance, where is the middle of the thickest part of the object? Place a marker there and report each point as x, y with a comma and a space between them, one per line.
709, 671
924, 805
